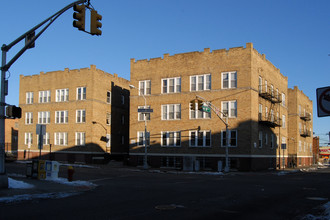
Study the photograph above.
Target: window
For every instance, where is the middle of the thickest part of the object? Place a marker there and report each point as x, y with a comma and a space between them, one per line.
260, 139
260, 112
171, 85
232, 138
141, 138
229, 80
229, 108
200, 82
260, 84
141, 116
28, 118
272, 90
266, 140
81, 116
122, 119
122, 99
45, 139
62, 95
200, 139
300, 147
283, 99
272, 141
61, 138
28, 138
108, 136
266, 86
81, 93
44, 96
29, 98
199, 114
61, 117
108, 97
145, 87
171, 112
80, 138
171, 138
108, 119
43, 117
283, 121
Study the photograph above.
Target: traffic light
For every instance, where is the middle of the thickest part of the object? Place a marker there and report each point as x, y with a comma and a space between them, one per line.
192, 105
95, 23
79, 15
200, 105
13, 112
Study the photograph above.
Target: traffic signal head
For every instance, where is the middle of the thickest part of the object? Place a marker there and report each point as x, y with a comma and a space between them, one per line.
95, 23
192, 105
200, 104
79, 15
13, 111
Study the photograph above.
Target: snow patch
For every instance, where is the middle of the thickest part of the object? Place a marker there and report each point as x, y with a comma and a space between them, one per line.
15, 184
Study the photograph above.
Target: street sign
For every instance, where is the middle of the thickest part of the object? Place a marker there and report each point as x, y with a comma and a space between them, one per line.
145, 110
323, 101
206, 109
41, 129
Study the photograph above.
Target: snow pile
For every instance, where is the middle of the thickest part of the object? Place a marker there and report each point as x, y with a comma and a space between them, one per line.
15, 184
324, 216
73, 183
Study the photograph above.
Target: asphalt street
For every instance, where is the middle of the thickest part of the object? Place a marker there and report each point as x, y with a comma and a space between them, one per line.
131, 193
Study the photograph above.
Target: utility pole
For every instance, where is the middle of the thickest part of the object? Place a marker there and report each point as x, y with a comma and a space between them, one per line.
218, 112
30, 38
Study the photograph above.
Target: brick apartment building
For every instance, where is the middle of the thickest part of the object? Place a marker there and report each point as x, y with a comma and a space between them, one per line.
300, 143
11, 135
86, 113
238, 81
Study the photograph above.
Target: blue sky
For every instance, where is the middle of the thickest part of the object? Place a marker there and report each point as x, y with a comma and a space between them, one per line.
294, 36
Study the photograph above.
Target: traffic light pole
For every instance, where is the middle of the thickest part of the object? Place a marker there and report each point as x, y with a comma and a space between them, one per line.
217, 112
5, 67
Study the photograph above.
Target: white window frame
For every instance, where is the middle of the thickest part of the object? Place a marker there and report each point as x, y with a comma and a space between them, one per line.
81, 116
176, 85
62, 95
283, 100
81, 93
260, 84
29, 98
141, 138
142, 115
166, 111
108, 97
61, 138
28, 138
201, 80
44, 117
108, 118
223, 137
108, 136
59, 119
283, 121
195, 142
143, 87
44, 96
230, 109
230, 80
80, 138
45, 138
167, 139
28, 118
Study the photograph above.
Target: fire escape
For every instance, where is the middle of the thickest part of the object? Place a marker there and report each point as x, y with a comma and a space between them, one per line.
270, 119
305, 117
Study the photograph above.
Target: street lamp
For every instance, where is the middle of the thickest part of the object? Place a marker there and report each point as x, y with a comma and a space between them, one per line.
145, 163
103, 138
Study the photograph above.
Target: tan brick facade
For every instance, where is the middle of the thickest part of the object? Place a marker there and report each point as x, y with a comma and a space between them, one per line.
11, 135
68, 102
256, 132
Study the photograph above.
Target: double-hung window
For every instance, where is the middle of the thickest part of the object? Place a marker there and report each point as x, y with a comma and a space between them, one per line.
108, 97
80, 138
81, 116
200, 82
171, 138
28, 138
232, 138
81, 93
43, 117
28, 118
44, 96
229, 80
108, 118
142, 138
229, 108
171, 85
143, 116
61, 117
145, 87
29, 98
61, 138
200, 138
171, 112
62, 95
